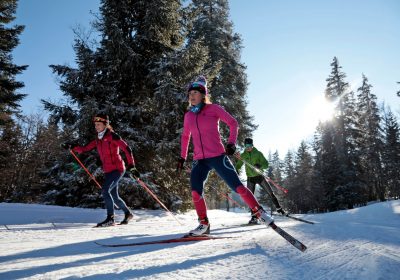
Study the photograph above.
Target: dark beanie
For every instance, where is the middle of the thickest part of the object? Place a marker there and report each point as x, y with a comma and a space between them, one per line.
248, 141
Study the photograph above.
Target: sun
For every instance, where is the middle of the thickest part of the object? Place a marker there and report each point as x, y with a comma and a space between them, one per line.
315, 111
320, 109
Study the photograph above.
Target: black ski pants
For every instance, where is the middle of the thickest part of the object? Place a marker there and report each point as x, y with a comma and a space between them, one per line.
251, 185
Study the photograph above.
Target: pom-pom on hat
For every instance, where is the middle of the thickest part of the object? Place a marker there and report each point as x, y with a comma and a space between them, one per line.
200, 85
101, 118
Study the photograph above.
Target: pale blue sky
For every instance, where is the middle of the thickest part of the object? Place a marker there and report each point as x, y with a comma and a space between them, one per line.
288, 46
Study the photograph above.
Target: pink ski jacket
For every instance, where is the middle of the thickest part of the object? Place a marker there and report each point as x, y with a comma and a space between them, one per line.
204, 129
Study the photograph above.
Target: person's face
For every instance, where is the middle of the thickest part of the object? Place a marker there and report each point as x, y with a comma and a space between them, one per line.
99, 126
249, 148
195, 97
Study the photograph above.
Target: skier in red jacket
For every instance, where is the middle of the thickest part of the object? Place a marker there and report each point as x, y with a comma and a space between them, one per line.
108, 145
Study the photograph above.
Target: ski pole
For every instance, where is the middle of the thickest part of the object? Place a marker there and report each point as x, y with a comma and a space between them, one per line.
222, 194
87, 171
276, 185
228, 197
261, 173
155, 197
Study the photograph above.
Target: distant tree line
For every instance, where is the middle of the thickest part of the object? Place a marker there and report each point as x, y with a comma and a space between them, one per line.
354, 158
135, 68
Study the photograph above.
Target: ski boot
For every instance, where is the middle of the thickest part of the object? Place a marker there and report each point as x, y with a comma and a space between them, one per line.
262, 215
127, 218
281, 211
108, 222
253, 220
202, 229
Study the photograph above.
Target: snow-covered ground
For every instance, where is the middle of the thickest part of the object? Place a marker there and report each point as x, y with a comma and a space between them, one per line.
50, 242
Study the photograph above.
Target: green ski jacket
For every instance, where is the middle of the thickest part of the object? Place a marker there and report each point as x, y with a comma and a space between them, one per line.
254, 157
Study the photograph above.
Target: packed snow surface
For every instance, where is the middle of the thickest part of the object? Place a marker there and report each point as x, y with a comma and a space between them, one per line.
52, 242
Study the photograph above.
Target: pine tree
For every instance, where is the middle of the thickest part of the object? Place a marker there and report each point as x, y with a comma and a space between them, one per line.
24, 171
300, 192
276, 165
288, 169
10, 138
224, 70
344, 138
9, 97
326, 171
136, 74
38, 144
369, 141
275, 173
391, 154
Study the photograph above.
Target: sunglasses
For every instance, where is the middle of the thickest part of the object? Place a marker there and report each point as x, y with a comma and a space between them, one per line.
99, 119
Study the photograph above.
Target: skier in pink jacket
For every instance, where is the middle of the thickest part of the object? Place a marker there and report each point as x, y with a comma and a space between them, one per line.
201, 123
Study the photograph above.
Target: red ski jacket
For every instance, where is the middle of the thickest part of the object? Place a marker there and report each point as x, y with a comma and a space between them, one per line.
108, 148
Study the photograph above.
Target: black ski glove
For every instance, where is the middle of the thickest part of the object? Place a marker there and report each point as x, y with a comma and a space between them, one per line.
68, 145
257, 166
230, 149
133, 171
180, 164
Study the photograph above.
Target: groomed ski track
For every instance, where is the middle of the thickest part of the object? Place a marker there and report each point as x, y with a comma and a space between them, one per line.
362, 243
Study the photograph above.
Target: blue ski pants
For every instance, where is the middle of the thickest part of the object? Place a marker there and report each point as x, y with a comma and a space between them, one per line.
109, 191
221, 164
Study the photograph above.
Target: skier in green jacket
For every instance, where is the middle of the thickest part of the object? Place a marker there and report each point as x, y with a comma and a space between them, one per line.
257, 159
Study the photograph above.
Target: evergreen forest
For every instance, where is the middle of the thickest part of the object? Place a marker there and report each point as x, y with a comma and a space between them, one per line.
135, 67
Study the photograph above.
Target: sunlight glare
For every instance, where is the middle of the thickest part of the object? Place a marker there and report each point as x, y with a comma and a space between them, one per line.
320, 109
317, 110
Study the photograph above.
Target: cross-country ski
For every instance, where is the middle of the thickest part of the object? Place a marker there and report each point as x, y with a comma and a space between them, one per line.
339, 245
296, 243
297, 218
182, 239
